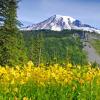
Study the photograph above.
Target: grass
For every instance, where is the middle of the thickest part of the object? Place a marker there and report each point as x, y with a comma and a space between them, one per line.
73, 91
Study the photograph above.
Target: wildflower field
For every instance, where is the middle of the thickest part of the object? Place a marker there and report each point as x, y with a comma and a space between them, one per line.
53, 82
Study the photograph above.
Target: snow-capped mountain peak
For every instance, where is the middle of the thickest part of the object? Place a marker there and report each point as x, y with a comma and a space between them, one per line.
59, 22
65, 18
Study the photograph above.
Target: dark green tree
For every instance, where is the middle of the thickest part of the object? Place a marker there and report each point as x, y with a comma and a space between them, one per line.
36, 48
12, 49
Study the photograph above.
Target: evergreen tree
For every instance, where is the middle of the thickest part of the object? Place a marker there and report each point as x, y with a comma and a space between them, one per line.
12, 50
10, 15
2, 7
36, 48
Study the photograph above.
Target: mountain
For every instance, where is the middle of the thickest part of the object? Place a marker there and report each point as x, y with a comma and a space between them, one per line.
59, 22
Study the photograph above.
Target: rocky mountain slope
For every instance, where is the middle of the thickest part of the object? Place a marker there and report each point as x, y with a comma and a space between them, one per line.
59, 22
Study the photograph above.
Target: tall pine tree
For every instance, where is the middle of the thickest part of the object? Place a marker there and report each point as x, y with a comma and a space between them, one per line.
36, 48
12, 50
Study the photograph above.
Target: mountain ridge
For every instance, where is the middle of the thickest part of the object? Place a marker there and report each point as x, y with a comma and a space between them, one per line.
59, 23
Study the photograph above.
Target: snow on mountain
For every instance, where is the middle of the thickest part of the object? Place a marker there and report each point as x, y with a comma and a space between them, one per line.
59, 22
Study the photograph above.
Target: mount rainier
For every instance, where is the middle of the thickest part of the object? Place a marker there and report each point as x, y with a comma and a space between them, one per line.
59, 22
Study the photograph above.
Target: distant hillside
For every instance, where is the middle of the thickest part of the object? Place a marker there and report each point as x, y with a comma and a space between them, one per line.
55, 47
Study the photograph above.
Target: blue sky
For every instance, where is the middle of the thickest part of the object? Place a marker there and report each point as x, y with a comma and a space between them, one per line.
34, 11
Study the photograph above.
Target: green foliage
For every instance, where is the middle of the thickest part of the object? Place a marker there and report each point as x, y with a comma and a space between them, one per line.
12, 50
75, 91
54, 47
35, 47
94, 65
8, 14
